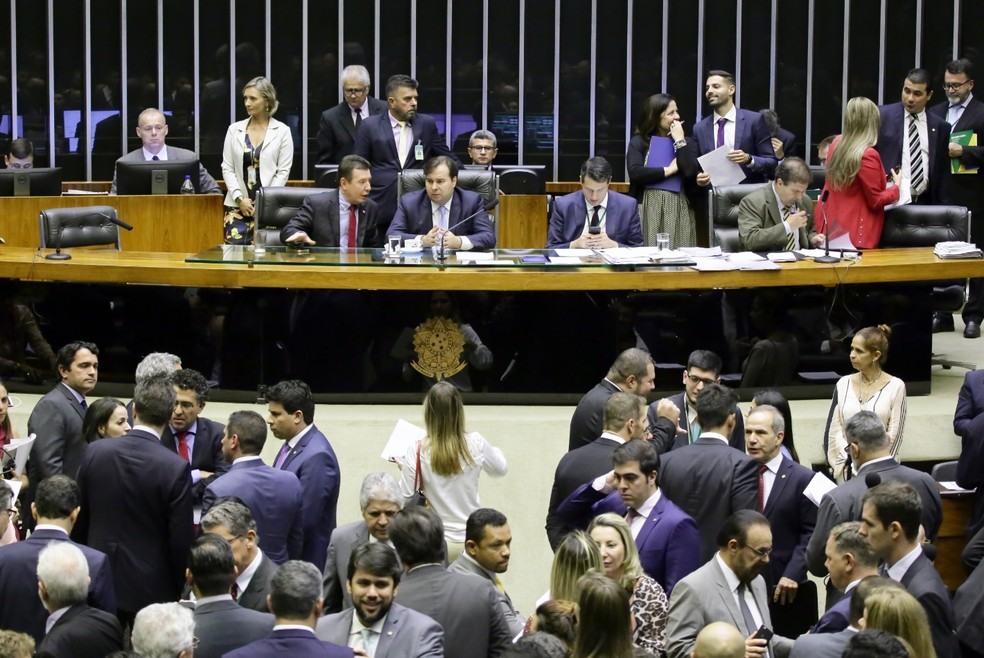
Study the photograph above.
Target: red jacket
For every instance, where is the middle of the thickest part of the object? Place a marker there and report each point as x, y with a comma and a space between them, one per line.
860, 208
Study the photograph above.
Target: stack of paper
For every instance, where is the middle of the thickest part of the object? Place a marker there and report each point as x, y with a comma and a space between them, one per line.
951, 250
702, 252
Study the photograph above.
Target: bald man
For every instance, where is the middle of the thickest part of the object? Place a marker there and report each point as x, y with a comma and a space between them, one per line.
719, 640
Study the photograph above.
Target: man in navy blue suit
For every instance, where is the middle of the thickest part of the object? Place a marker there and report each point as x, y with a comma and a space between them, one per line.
968, 424
273, 496
396, 140
595, 217
307, 454
743, 131
907, 125
434, 213
667, 538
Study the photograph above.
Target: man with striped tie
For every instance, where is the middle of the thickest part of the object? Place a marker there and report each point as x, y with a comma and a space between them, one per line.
779, 215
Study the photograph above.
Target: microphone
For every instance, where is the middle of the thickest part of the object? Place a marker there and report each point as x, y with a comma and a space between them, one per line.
118, 222
826, 258
872, 480
58, 255
489, 205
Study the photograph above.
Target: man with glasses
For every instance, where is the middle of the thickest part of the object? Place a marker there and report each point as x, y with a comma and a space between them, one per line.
152, 130
965, 113
482, 148
744, 544
339, 125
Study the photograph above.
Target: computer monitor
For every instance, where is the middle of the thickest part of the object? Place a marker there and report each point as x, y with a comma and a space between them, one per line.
522, 179
155, 176
42, 181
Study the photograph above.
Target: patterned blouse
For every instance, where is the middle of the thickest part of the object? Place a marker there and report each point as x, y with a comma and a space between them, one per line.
650, 609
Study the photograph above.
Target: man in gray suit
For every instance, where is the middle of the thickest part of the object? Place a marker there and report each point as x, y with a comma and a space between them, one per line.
380, 499
152, 130
486, 555
779, 215
467, 607
727, 588
220, 624
375, 624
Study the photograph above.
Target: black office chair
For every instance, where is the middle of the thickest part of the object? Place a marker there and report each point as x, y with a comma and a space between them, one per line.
945, 471
327, 176
89, 226
818, 177
484, 182
275, 206
723, 214
521, 181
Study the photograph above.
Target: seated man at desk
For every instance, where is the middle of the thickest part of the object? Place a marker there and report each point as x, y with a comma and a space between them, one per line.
345, 218
20, 155
152, 129
595, 217
441, 209
482, 148
779, 216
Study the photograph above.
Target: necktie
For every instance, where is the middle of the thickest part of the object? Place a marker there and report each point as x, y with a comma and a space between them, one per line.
761, 492
720, 137
401, 147
791, 238
694, 430
183, 446
595, 217
883, 570
915, 157
443, 221
366, 639
84, 404
235, 592
282, 455
746, 612
353, 229
499, 586
358, 118
155, 158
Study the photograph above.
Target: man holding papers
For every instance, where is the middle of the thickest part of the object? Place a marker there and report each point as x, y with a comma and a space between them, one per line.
779, 215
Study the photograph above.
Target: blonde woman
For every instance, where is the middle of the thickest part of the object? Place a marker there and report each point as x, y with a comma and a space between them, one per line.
856, 190
896, 611
258, 152
451, 461
577, 555
620, 560
604, 628
870, 389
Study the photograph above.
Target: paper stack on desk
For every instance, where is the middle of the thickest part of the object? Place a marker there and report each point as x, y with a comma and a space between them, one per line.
956, 249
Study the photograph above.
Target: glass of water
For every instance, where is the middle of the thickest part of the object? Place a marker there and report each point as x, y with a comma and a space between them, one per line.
663, 241
393, 243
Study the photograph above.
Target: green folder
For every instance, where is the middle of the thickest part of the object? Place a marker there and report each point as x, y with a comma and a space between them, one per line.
964, 138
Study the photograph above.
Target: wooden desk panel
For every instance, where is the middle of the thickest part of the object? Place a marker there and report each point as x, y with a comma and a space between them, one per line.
522, 221
957, 508
563, 187
167, 223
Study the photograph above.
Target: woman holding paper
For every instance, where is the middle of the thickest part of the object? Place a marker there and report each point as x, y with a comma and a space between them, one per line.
856, 193
662, 166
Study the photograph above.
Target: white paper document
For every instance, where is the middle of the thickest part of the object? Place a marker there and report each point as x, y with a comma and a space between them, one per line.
404, 435
21, 450
782, 257
15, 486
818, 487
842, 241
474, 255
721, 170
713, 265
565, 260
580, 253
701, 252
744, 257
763, 264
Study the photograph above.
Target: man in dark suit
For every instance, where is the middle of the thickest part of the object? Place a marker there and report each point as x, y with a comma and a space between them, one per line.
687, 471
231, 520
779, 216
783, 141
890, 519
624, 420
595, 217
275, 495
915, 141
849, 561
137, 504
667, 538
220, 624
307, 454
57, 417
632, 372
439, 214
164, 629
194, 438
964, 112
871, 454
831, 644
792, 516
466, 607
482, 148
73, 628
968, 424
396, 140
373, 622
968, 601
55, 507
379, 499
295, 600
675, 429
744, 132
339, 125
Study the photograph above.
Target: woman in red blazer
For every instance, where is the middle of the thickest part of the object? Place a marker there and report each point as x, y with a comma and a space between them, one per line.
856, 190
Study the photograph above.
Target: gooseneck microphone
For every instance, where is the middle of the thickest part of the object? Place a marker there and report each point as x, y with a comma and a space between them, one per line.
826, 258
489, 205
59, 255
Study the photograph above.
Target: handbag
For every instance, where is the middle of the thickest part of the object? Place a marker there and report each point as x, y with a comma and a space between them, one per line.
417, 499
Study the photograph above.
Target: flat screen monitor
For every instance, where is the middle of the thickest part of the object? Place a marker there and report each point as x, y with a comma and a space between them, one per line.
522, 179
41, 181
155, 177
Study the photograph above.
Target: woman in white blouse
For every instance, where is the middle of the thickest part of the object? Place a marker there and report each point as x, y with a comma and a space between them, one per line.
451, 461
258, 152
870, 389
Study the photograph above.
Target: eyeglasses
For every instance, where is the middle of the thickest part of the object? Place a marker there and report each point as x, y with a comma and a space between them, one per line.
953, 86
762, 553
482, 148
694, 379
355, 91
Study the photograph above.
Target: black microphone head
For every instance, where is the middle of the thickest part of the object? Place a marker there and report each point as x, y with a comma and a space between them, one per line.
492, 203
872, 480
823, 197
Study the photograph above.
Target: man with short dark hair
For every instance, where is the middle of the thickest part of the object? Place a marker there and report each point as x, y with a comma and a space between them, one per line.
466, 607
307, 454
823, 147
632, 372
779, 216
727, 588
231, 520
482, 148
783, 141
443, 213
220, 624
849, 561
339, 125
595, 217
687, 470
373, 622
488, 546
872, 643
20, 155
890, 519
831, 644
295, 601
275, 494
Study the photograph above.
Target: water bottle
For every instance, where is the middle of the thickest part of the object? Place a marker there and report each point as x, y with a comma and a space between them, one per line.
187, 187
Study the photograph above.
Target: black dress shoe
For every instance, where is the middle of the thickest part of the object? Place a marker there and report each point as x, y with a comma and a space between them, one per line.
972, 330
942, 322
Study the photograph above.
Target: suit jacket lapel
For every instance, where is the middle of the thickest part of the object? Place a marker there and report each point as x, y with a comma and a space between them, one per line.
728, 597
361, 228
71, 399
651, 522
390, 629
334, 215
168, 440
348, 120
778, 485
739, 129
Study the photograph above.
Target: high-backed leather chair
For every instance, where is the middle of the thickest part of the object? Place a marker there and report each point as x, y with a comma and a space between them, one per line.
521, 181
88, 226
722, 211
275, 206
484, 182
